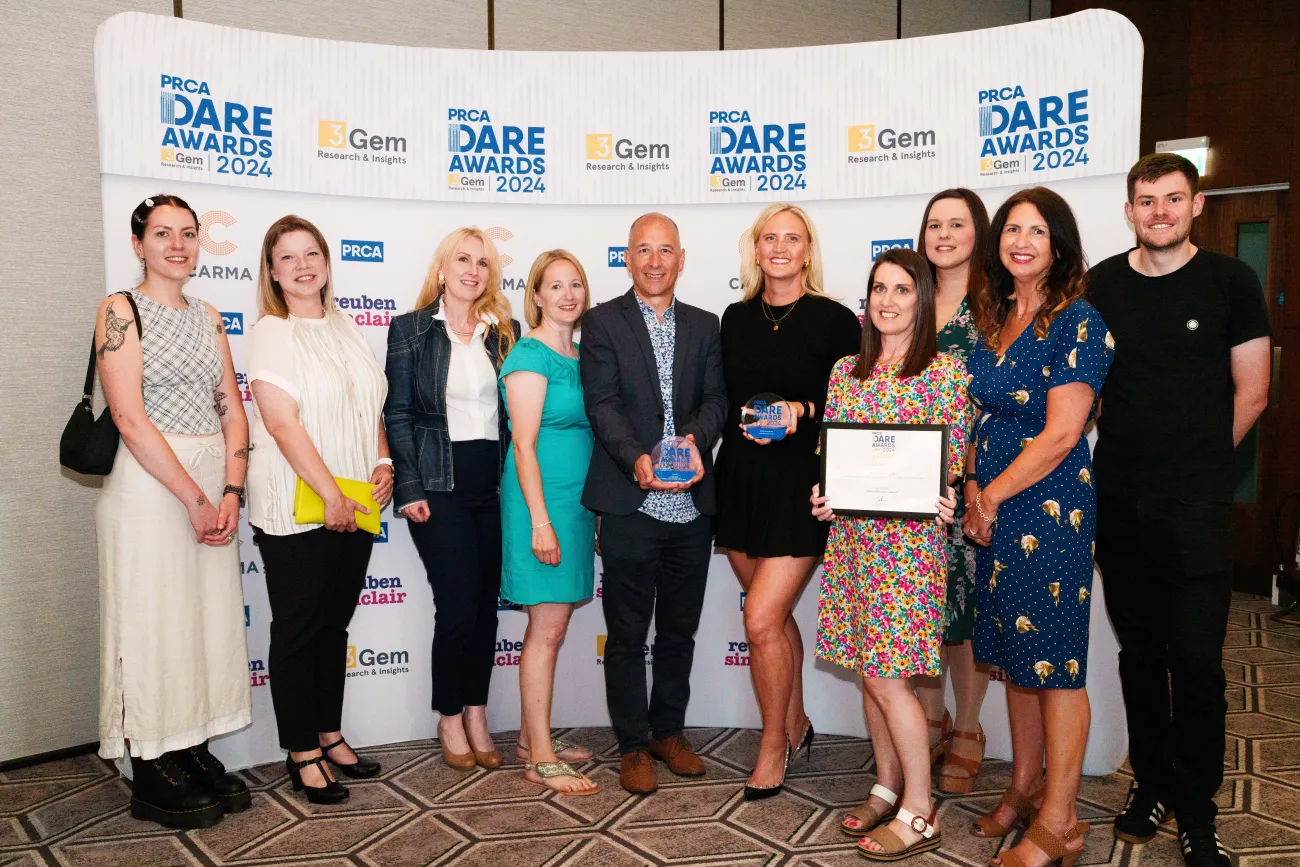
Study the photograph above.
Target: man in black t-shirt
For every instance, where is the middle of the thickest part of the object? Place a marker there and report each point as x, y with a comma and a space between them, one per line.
1190, 378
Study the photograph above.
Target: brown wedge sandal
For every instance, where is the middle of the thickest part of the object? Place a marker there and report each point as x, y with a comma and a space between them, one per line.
940, 748
1021, 804
950, 780
869, 816
892, 847
1053, 847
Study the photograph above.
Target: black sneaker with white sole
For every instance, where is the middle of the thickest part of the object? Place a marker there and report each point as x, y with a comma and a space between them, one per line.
1202, 848
1141, 817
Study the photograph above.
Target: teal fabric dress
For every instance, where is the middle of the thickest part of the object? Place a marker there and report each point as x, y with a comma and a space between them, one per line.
564, 445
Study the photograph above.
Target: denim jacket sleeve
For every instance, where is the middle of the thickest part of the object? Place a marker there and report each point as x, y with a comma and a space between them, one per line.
399, 414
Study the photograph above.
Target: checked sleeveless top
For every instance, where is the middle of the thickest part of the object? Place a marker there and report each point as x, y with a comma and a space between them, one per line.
182, 366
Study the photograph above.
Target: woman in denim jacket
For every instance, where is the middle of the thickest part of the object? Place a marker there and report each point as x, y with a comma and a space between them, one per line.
447, 434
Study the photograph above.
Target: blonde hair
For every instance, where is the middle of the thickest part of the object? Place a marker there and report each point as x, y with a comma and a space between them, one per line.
270, 297
751, 275
492, 303
533, 310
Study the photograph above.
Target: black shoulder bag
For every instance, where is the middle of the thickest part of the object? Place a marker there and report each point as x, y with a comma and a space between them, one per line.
89, 444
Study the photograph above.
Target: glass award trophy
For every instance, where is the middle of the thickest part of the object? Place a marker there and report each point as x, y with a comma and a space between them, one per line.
764, 416
671, 458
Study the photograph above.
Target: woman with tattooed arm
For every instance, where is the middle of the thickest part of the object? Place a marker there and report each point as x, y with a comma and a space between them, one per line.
173, 663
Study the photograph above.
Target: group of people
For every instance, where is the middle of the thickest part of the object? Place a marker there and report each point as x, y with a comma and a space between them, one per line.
516, 458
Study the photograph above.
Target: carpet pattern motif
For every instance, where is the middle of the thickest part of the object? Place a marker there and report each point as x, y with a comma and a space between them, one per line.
75, 811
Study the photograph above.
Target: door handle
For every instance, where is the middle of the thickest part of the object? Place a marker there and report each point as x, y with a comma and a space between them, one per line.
1274, 383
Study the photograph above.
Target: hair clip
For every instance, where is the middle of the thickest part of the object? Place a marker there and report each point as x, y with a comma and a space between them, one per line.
148, 203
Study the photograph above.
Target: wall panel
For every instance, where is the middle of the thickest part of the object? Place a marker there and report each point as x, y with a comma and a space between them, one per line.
928, 17
607, 25
433, 23
775, 24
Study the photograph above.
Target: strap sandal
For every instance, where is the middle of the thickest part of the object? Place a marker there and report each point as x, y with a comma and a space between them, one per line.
892, 847
1054, 847
553, 770
870, 817
940, 747
958, 774
1022, 805
558, 746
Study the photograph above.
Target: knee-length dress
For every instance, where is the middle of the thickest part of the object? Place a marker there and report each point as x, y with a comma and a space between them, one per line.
881, 608
957, 338
1032, 585
564, 444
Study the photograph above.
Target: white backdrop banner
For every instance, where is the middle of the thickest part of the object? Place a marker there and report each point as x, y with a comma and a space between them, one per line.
386, 149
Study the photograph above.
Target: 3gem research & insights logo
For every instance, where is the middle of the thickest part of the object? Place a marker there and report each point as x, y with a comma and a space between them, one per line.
609, 152
368, 662
502, 158
872, 144
747, 156
602, 640
1023, 133
337, 140
203, 133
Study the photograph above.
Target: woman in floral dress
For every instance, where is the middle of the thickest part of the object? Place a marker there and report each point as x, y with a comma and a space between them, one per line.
884, 581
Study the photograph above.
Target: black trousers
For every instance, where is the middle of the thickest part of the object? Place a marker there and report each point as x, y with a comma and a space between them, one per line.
1166, 566
460, 545
651, 568
313, 581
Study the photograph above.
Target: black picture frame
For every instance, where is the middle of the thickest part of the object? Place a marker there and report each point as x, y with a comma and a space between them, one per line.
872, 426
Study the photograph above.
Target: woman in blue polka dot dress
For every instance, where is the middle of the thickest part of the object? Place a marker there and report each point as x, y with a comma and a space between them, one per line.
1035, 376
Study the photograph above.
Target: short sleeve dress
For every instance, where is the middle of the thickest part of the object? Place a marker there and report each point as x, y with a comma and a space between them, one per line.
881, 610
564, 445
957, 338
1032, 586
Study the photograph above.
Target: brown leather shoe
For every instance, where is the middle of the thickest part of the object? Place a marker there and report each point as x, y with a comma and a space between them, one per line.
677, 753
637, 773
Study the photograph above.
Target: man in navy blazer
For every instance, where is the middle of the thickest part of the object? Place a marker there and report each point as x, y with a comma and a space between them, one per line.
651, 368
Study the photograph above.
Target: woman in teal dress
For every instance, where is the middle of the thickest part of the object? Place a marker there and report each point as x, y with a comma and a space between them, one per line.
548, 536
954, 240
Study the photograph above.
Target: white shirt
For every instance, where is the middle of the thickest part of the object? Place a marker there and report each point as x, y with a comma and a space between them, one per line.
471, 387
329, 369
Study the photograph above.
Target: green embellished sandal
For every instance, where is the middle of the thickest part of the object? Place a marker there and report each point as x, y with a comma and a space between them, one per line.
559, 746
553, 770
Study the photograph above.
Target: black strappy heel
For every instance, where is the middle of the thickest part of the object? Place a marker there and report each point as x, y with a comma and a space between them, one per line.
331, 793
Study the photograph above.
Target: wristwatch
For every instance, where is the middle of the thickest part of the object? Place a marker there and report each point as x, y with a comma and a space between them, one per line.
237, 490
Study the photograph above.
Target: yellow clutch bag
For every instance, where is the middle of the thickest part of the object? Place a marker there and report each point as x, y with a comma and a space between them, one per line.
309, 508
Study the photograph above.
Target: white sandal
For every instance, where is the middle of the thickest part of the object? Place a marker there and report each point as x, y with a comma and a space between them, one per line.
869, 817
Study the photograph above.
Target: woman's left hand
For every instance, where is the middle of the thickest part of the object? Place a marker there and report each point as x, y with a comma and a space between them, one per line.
227, 522
973, 525
789, 412
382, 479
947, 507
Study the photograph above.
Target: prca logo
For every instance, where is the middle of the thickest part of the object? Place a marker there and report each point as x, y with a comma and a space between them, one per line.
362, 251
502, 158
382, 591
202, 133
752, 157
233, 323
617, 257
609, 153
383, 533
869, 145
1019, 134
366, 662
249, 567
335, 141
878, 247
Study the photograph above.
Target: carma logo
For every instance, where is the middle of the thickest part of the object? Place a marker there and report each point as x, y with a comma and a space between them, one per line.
213, 245
362, 251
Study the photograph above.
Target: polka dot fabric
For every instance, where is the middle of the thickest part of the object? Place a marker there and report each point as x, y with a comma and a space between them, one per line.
1033, 585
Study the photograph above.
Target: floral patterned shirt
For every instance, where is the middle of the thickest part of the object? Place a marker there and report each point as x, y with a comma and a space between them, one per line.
662, 505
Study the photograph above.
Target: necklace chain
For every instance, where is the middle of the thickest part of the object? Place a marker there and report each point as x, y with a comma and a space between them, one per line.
776, 321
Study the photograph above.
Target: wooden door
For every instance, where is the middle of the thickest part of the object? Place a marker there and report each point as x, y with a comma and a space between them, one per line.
1251, 227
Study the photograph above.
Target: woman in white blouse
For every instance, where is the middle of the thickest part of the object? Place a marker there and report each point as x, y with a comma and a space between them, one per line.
317, 395
448, 432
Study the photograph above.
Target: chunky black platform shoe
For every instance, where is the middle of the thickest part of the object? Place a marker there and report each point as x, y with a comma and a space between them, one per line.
331, 793
361, 769
162, 791
231, 791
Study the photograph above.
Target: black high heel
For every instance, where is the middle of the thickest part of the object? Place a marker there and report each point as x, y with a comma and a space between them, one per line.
331, 793
361, 769
758, 793
806, 742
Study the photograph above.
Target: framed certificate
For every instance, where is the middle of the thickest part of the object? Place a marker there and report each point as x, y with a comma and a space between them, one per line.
884, 470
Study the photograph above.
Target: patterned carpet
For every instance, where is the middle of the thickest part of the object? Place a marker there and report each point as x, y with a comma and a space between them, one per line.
74, 811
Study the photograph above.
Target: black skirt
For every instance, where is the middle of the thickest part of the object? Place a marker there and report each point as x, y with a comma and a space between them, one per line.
763, 507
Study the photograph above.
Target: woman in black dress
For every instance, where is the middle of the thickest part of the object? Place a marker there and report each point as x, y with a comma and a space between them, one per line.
783, 338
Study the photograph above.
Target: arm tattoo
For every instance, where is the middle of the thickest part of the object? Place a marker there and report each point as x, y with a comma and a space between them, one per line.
114, 331
242, 454
221, 326
201, 500
219, 401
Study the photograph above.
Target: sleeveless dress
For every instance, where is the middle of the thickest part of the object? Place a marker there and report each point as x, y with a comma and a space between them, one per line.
957, 338
1032, 585
564, 444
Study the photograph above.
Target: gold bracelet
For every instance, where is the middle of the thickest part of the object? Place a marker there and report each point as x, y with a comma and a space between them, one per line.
541, 525
979, 507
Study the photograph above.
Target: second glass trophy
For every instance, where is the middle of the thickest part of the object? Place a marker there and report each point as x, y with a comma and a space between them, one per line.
764, 416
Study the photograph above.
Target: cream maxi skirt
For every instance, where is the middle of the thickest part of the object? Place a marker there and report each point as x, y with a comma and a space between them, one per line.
173, 656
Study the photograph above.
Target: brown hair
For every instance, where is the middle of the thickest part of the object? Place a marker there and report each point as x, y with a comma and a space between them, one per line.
924, 341
140, 216
1155, 166
1065, 279
980, 219
492, 302
533, 310
270, 297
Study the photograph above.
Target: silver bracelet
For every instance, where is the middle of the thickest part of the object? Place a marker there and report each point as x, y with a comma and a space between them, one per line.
979, 507
541, 525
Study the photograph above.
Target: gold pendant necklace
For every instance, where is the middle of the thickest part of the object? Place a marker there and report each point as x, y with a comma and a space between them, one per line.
767, 312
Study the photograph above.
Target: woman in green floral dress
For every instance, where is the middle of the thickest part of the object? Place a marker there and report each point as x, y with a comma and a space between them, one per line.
954, 240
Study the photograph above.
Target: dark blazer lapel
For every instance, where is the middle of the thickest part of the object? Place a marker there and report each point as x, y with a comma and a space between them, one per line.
682, 347
635, 321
